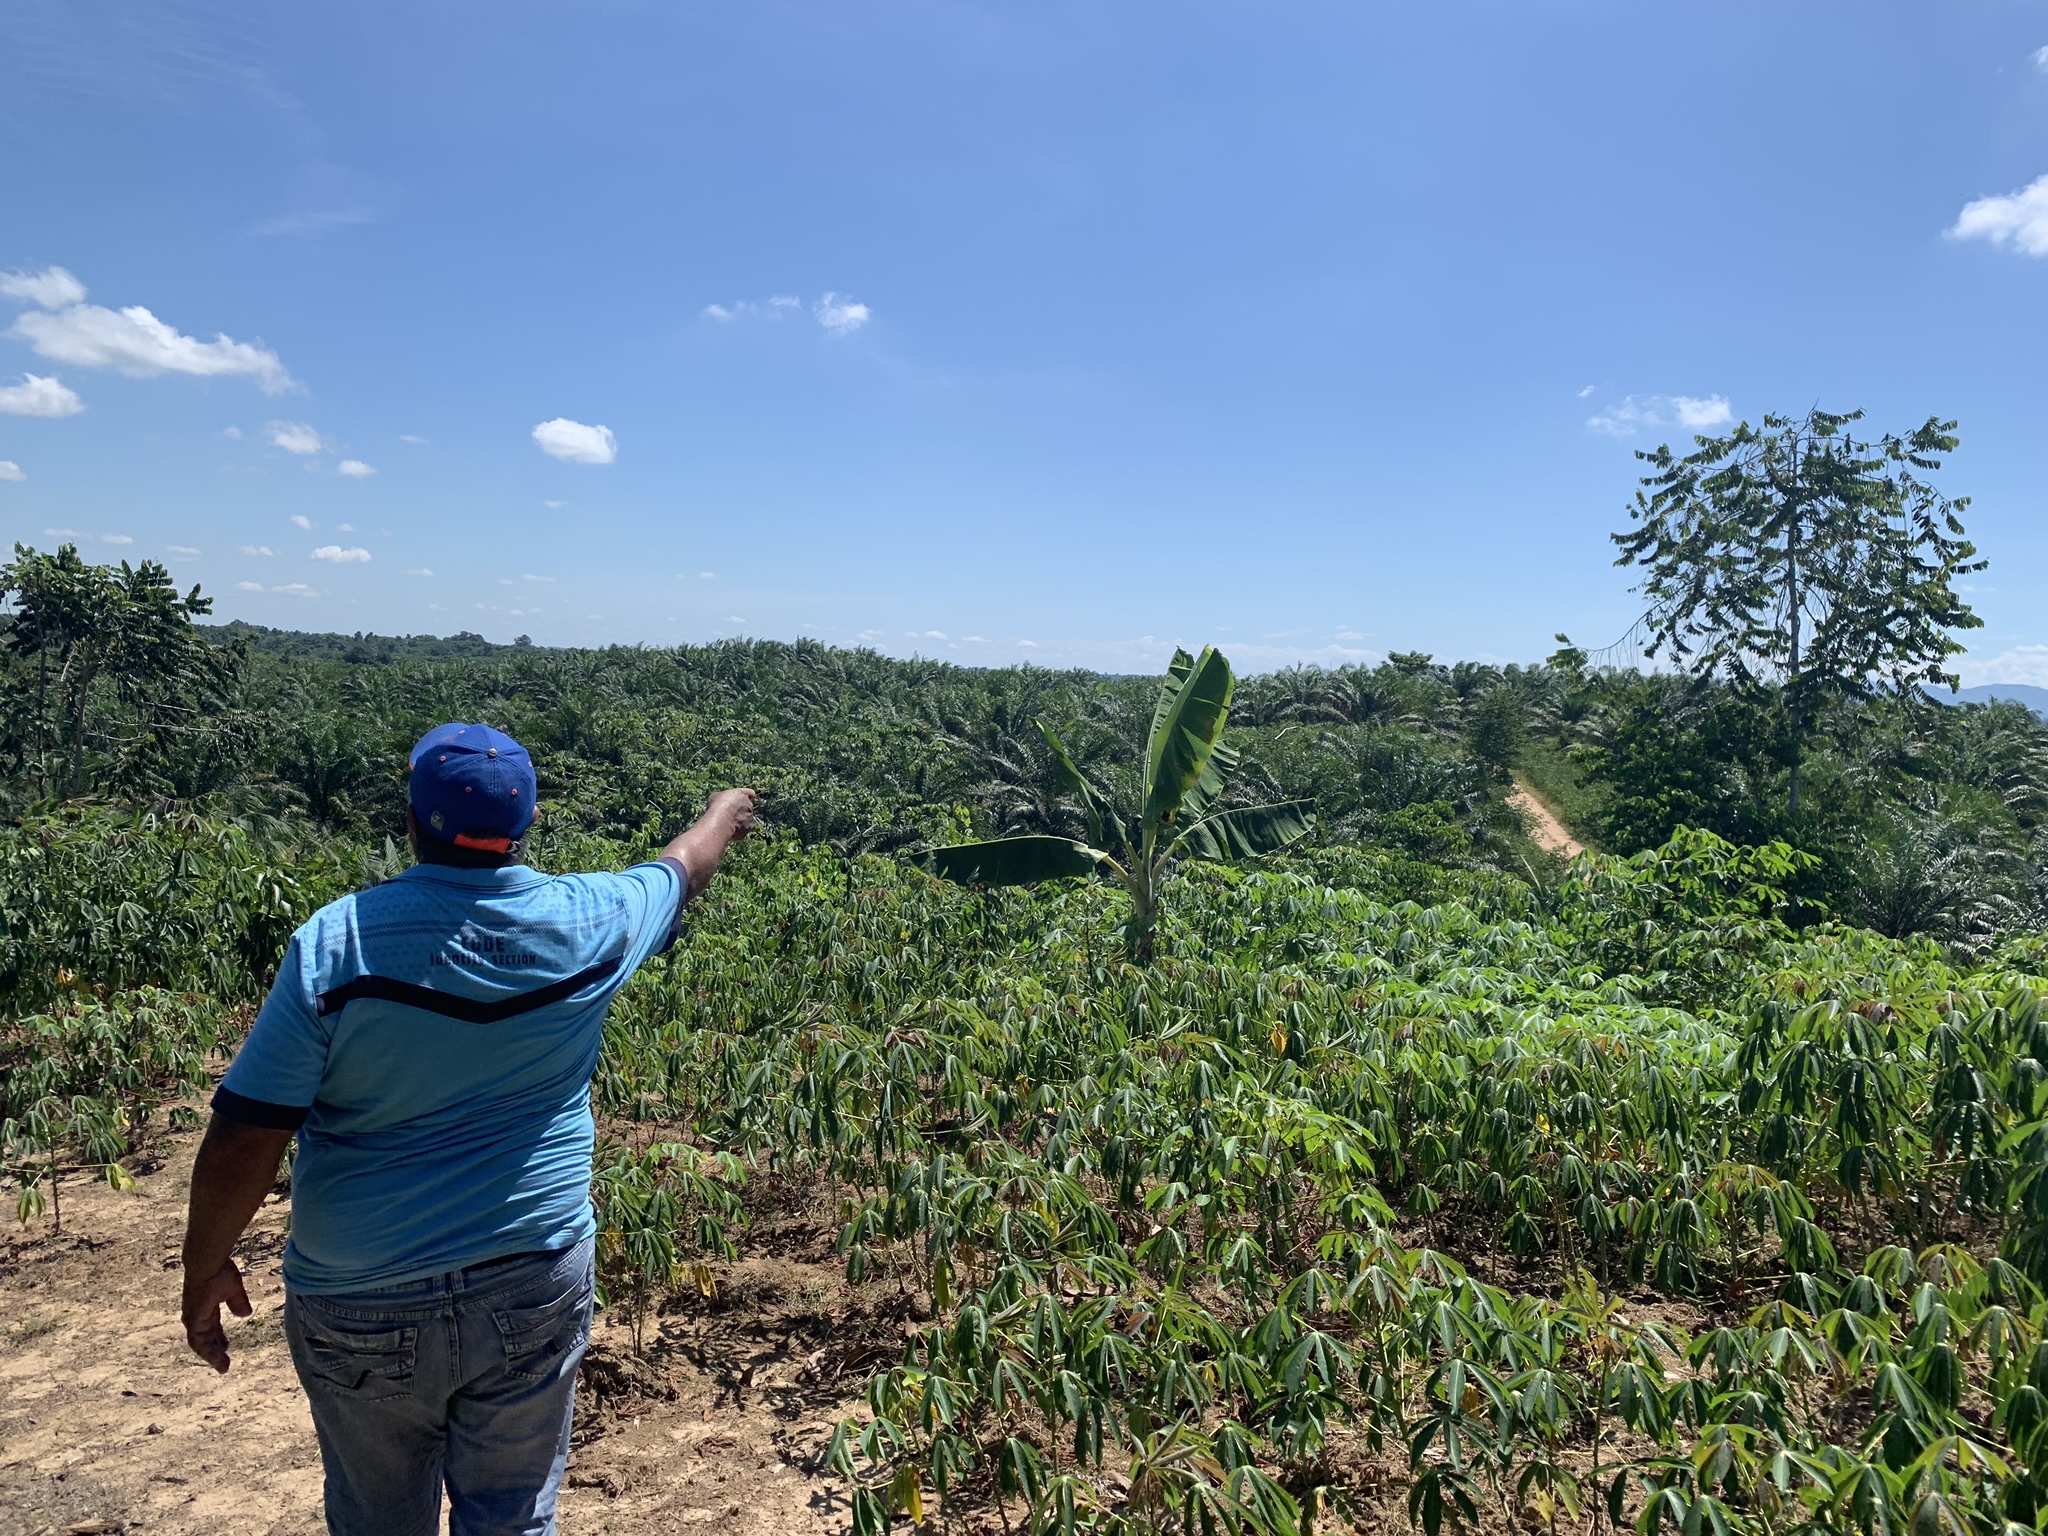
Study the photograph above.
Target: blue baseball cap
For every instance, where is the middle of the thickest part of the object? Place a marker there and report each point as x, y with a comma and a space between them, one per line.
473, 786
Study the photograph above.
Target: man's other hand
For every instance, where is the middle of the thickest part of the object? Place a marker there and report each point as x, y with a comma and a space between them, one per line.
203, 1301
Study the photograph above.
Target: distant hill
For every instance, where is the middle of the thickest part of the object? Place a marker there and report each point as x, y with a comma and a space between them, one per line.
2034, 698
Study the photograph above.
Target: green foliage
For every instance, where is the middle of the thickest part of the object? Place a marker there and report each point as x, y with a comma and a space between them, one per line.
1798, 554
1186, 773
99, 668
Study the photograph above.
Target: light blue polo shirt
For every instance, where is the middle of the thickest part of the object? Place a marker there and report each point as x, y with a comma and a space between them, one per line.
433, 1040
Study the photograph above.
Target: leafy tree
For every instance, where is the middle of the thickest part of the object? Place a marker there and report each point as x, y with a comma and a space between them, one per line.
1796, 553
1497, 728
1186, 771
82, 633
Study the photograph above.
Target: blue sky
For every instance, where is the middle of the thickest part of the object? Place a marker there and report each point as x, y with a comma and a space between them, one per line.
1053, 331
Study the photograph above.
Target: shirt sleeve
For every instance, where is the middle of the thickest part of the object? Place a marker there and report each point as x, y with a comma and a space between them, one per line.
276, 1074
655, 894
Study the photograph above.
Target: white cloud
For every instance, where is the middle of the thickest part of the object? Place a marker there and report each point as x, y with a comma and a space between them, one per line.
355, 469
1587, 390
1700, 414
296, 589
531, 577
719, 312
9, 470
972, 640
258, 549
64, 533
2040, 59
233, 434
346, 527
248, 586
51, 288
733, 618
115, 538
334, 554
39, 396
554, 506
786, 301
1639, 412
2021, 217
182, 551
841, 316
419, 570
707, 575
574, 443
294, 437
303, 523
2020, 664
1032, 643
414, 438
131, 340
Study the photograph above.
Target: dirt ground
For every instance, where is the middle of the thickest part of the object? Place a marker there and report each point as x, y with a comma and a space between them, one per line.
108, 1424
1543, 824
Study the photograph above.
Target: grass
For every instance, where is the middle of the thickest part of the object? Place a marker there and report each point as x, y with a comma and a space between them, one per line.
1557, 782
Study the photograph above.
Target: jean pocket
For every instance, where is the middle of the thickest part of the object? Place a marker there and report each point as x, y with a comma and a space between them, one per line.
362, 1365
538, 1339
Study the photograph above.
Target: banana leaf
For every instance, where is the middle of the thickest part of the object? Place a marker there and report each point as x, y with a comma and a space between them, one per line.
1214, 780
1104, 825
1011, 861
1247, 831
1184, 734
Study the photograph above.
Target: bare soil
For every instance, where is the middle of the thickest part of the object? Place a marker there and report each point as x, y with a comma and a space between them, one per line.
1543, 824
107, 1422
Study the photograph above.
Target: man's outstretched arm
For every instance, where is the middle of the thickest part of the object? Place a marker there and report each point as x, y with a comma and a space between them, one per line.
727, 819
237, 1166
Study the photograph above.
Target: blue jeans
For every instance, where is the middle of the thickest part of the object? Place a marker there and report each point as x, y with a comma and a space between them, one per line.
467, 1379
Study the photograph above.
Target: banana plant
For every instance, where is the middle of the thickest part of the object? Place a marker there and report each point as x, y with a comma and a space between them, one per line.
1185, 771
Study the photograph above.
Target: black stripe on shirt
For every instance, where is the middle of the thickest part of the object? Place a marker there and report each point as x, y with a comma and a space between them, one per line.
260, 1113
467, 1009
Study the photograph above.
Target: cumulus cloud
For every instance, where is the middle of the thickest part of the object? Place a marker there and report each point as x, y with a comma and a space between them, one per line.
574, 443
133, 340
1649, 412
412, 437
232, 434
2021, 217
115, 538
296, 589
2040, 59
39, 396
258, 549
334, 554
419, 570
9, 470
707, 575
841, 316
51, 288
733, 618
294, 437
182, 551
303, 523
248, 586
355, 469
1587, 390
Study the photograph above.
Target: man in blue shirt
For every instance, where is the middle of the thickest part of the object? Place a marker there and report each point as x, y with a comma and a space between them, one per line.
431, 1042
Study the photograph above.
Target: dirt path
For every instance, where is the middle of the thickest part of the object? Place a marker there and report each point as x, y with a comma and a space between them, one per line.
1544, 826
104, 1416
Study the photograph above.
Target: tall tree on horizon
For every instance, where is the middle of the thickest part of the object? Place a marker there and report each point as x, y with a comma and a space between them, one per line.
1798, 554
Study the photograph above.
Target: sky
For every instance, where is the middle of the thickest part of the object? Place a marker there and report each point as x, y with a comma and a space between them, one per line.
1061, 332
